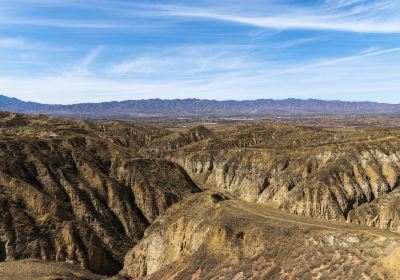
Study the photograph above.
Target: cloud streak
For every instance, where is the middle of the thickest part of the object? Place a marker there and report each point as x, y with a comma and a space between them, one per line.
361, 76
360, 16
185, 62
375, 16
326, 63
208, 49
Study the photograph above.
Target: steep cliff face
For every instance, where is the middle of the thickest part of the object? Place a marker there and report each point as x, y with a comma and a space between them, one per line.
212, 235
383, 212
71, 192
314, 173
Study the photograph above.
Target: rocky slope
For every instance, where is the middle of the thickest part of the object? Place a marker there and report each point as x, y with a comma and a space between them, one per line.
383, 212
315, 173
177, 140
78, 191
211, 236
85, 192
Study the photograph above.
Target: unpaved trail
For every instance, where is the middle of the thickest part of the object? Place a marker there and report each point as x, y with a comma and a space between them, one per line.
273, 214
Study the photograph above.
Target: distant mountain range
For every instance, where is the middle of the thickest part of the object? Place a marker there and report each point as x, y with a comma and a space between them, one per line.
198, 107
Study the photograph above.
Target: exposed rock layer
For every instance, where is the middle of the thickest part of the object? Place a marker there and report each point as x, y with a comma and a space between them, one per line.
316, 173
210, 236
76, 191
85, 192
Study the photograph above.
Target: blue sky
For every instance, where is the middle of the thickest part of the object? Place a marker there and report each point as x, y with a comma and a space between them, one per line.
101, 50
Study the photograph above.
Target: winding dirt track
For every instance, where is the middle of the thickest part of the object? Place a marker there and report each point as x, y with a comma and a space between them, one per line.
273, 214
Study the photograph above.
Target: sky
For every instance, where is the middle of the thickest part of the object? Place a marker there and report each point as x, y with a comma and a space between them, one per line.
72, 51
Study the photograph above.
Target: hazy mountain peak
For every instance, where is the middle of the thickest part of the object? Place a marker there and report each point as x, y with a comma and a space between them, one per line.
198, 107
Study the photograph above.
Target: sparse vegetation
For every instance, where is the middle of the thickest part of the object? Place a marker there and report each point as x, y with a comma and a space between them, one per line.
85, 192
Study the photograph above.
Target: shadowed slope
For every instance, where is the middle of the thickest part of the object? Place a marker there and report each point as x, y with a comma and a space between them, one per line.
76, 191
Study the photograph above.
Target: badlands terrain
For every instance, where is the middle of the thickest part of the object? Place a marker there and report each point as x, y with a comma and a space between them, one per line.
315, 198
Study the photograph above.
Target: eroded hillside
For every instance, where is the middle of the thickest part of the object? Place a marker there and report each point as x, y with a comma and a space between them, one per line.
77, 191
312, 172
97, 194
211, 236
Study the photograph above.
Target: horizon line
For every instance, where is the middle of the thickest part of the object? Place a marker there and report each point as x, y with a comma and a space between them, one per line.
201, 99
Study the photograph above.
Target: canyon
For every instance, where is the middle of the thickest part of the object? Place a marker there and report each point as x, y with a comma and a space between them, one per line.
123, 200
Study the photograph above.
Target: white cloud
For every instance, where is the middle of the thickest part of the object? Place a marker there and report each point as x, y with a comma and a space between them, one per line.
63, 23
326, 63
375, 16
363, 16
20, 43
369, 75
90, 57
184, 61
81, 68
246, 70
14, 43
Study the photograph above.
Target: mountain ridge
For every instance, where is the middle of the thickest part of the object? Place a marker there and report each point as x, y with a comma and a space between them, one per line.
199, 107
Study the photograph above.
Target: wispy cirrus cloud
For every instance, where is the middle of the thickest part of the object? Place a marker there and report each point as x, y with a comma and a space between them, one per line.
11, 42
185, 61
90, 57
358, 77
43, 13
361, 16
368, 16
25, 44
81, 68
325, 63
76, 24
208, 49
210, 59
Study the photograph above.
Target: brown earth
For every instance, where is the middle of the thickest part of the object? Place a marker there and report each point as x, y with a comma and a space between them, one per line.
84, 192
311, 172
75, 191
42, 270
211, 236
